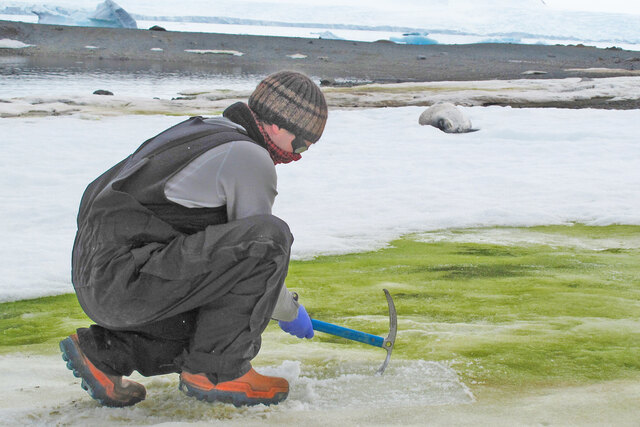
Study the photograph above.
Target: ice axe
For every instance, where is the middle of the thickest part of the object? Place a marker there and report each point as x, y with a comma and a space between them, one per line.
363, 337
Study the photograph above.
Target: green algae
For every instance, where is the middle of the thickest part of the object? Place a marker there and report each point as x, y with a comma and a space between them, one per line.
38, 324
503, 315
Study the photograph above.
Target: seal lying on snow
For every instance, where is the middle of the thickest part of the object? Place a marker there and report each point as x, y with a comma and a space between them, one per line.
446, 117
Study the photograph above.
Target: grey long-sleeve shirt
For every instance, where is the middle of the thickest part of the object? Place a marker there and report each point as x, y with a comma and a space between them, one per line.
240, 175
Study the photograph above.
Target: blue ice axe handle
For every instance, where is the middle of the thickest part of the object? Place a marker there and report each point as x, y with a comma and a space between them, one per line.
363, 337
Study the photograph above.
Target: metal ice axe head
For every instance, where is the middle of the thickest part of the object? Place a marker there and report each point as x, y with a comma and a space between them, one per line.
363, 337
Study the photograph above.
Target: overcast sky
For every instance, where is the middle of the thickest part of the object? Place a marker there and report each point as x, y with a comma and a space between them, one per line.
615, 6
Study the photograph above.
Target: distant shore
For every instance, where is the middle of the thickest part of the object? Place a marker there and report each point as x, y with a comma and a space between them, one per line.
330, 60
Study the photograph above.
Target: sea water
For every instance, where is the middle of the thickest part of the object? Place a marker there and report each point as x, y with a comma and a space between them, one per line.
24, 76
442, 21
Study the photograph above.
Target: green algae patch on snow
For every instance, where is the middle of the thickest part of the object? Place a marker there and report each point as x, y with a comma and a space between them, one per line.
38, 325
505, 307
501, 314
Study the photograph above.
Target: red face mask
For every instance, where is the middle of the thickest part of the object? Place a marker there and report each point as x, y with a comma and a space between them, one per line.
278, 155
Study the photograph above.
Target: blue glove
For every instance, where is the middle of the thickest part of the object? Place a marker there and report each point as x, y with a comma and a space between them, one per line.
301, 326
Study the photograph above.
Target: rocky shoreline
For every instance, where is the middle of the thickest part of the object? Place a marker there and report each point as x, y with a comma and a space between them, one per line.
335, 63
378, 62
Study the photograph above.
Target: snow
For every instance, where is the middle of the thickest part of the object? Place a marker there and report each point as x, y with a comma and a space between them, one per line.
375, 175
12, 44
210, 93
352, 387
215, 51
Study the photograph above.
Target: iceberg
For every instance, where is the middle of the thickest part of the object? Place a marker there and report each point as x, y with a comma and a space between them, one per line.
107, 14
59, 16
414, 38
327, 35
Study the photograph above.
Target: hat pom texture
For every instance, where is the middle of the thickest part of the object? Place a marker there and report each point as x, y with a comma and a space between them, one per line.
292, 101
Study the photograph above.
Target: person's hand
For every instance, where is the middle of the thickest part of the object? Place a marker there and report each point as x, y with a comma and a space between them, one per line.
301, 326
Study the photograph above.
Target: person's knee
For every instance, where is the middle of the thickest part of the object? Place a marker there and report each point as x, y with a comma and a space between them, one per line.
272, 228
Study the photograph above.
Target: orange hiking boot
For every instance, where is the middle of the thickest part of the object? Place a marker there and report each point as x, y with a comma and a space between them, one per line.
250, 389
109, 390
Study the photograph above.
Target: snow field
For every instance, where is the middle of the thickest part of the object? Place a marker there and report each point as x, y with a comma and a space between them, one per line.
374, 176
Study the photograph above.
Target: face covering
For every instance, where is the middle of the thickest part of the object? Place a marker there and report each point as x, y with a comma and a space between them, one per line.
278, 155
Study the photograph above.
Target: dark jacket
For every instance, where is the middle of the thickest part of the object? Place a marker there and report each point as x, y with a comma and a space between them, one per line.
124, 216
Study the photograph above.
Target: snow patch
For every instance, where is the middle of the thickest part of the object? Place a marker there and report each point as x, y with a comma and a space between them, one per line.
526, 167
13, 44
215, 51
604, 70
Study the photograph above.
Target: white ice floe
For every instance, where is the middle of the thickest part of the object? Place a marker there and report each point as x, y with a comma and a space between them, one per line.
297, 56
13, 44
215, 52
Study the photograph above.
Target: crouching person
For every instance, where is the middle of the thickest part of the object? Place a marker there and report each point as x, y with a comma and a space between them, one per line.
178, 259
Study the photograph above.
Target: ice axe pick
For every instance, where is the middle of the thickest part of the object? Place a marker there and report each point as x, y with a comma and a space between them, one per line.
363, 337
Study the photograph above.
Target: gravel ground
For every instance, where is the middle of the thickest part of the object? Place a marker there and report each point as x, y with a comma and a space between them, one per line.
331, 60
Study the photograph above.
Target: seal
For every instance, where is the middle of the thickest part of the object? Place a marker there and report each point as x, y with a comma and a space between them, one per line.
446, 117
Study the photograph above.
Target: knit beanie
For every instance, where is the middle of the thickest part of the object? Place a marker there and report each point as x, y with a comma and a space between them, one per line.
292, 101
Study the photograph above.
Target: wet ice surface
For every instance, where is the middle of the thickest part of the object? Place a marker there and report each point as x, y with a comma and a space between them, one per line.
404, 383
39, 390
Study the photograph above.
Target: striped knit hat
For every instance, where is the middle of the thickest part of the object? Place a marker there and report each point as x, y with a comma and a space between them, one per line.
292, 101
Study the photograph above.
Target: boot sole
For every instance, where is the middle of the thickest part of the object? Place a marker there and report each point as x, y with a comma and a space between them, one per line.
71, 355
235, 398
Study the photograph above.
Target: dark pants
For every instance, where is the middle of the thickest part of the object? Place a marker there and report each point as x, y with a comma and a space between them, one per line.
199, 303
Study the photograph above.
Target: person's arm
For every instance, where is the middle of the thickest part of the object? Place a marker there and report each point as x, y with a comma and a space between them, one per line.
248, 183
286, 307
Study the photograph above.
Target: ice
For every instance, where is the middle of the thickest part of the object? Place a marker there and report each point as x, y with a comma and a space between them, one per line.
40, 390
414, 38
12, 44
107, 14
